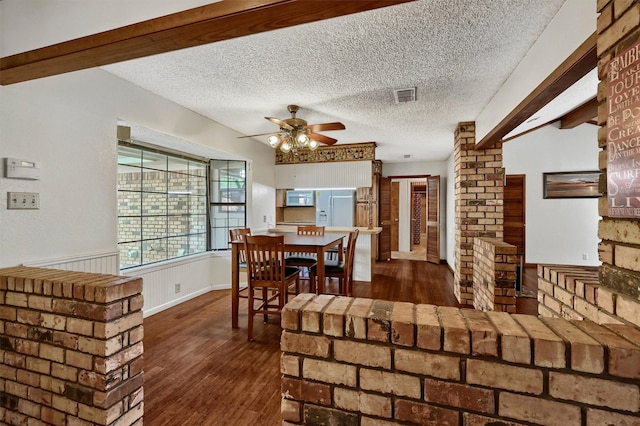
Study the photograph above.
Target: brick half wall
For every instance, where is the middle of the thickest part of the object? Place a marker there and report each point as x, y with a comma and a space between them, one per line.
71, 348
494, 275
575, 293
351, 361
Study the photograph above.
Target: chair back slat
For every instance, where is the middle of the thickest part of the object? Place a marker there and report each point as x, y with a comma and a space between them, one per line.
265, 257
310, 230
348, 264
239, 234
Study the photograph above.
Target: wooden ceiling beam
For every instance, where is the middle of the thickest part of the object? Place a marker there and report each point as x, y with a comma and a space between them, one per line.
577, 65
194, 27
580, 115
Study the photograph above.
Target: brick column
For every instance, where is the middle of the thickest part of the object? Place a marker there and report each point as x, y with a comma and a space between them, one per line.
479, 196
618, 29
71, 348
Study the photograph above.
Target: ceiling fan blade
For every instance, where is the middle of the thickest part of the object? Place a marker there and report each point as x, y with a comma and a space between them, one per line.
326, 126
259, 134
279, 122
323, 139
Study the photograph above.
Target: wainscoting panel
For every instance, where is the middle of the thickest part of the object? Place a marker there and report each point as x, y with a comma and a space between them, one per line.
102, 263
170, 283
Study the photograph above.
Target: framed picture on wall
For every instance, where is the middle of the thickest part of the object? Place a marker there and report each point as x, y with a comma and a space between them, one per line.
571, 184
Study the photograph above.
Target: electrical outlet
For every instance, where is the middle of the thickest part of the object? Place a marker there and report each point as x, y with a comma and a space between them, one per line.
264, 219
178, 288
585, 256
23, 200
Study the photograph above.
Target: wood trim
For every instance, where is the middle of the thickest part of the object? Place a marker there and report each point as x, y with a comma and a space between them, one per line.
363, 151
533, 129
408, 177
194, 27
580, 115
577, 65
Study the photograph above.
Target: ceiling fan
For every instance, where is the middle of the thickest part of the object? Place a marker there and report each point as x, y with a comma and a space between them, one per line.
295, 133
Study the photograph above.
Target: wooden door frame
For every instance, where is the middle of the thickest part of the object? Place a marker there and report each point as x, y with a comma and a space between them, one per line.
524, 211
409, 177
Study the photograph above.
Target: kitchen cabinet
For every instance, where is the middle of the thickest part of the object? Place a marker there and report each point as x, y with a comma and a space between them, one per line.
367, 203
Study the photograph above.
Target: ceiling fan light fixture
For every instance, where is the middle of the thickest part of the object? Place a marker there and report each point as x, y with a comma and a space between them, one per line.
295, 133
273, 140
302, 139
285, 147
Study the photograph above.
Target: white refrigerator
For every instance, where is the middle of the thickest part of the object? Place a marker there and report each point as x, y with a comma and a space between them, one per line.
335, 207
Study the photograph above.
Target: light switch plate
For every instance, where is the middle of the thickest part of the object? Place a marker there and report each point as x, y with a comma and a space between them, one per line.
23, 200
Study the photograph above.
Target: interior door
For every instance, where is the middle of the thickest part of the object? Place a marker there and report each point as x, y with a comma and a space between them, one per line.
433, 219
514, 212
395, 214
384, 248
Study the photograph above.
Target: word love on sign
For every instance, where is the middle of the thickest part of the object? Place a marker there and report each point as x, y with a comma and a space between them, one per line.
623, 134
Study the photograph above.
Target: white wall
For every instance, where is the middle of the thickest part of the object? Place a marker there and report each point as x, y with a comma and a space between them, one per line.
558, 230
69, 122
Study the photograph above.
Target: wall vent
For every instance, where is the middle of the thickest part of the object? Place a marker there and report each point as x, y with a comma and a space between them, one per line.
404, 95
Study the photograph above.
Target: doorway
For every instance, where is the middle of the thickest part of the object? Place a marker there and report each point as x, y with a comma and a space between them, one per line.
408, 218
514, 212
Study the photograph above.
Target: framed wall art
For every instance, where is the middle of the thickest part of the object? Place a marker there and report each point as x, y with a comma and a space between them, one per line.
571, 184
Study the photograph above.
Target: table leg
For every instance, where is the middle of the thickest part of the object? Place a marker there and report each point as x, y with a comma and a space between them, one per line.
320, 268
235, 284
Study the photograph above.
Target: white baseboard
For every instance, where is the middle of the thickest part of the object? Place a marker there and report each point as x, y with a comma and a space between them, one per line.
175, 302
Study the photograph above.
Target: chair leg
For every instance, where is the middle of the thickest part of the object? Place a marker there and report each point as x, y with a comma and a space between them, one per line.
250, 319
265, 302
312, 282
283, 298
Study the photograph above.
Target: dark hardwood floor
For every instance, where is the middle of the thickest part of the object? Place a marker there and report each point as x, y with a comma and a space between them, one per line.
199, 371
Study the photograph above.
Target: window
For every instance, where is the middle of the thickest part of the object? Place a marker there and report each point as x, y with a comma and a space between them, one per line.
228, 200
162, 206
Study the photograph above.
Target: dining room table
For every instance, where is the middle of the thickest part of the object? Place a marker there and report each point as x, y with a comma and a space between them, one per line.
293, 243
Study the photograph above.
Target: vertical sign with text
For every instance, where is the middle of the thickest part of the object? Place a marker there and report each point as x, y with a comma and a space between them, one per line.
623, 134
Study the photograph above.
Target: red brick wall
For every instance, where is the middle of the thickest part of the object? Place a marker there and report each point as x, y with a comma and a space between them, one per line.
71, 348
370, 362
494, 275
479, 195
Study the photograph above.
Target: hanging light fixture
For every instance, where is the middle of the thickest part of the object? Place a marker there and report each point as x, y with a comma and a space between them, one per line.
295, 134
292, 140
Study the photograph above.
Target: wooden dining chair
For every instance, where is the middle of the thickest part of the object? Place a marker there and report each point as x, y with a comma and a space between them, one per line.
239, 234
269, 278
343, 270
305, 260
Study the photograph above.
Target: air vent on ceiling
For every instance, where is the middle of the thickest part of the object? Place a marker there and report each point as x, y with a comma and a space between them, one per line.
404, 95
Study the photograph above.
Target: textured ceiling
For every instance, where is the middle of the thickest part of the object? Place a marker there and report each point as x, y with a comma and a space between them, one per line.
457, 53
